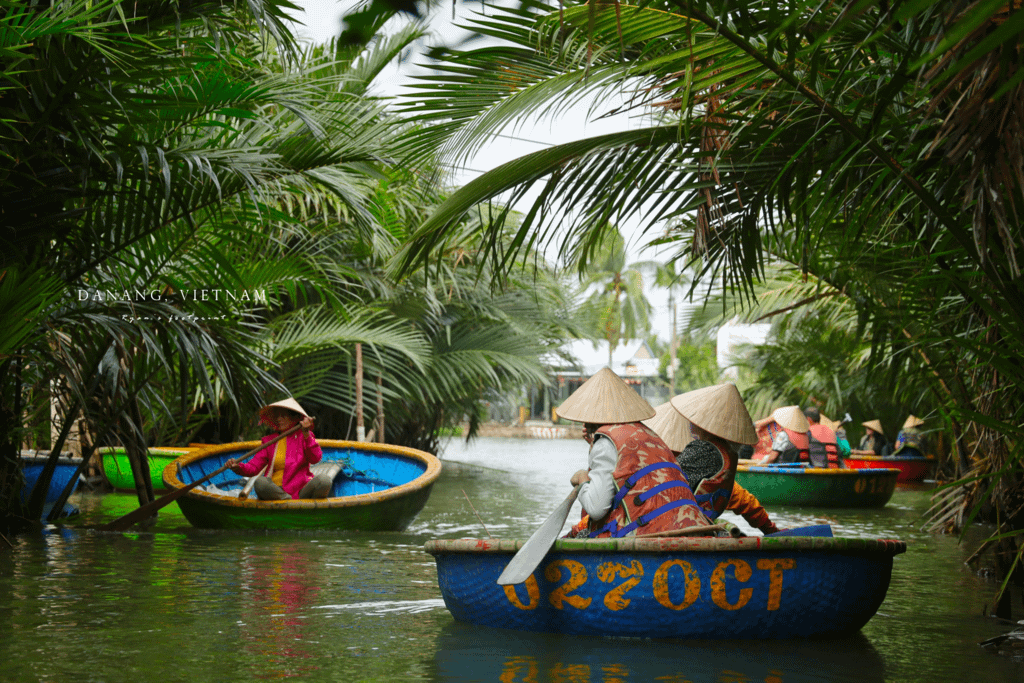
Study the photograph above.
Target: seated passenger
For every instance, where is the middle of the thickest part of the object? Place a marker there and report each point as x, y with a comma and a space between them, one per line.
911, 440
782, 437
823, 446
842, 443
873, 442
633, 485
703, 456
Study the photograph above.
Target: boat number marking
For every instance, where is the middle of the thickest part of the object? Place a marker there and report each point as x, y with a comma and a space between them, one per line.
532, 593
690, 579
671, 572
742, 572
868, 485
577, 577
615, 598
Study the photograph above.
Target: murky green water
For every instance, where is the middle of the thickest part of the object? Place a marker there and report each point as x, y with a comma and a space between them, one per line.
181, 604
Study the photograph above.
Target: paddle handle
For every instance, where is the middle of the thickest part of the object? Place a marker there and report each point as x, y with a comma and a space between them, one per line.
252, 480
146, 511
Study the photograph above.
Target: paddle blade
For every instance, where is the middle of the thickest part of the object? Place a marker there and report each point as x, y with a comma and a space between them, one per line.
529, 557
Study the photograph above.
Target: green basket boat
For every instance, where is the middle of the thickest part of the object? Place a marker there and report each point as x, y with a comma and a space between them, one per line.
818, 487
118, 472
377, 487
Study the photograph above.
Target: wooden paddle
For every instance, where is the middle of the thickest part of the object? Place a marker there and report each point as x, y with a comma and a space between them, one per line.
146, 511
522, 564
252, 480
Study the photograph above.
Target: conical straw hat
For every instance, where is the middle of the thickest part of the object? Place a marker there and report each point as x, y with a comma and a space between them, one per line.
289, 403
605, 399
912, 421
791, 417
673, 428
875, 425
719, 410
830, 423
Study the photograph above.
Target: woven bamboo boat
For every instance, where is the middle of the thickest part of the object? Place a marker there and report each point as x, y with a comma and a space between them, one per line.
912, 467
818, 487
377, 487
117, 471
32, 463
736, 588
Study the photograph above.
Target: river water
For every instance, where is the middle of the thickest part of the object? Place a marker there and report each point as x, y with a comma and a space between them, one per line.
175, 603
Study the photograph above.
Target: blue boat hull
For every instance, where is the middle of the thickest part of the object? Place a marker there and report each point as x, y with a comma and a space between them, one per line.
66, 470
750, 588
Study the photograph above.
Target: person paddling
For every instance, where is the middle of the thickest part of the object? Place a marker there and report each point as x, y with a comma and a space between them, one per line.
285, 466
633, 486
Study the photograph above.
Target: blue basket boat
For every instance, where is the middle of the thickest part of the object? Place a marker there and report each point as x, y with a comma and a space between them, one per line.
745, 588
377, 487
32, 464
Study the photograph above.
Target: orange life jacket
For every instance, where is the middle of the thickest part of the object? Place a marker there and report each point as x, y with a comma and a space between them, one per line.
823, 448
652, 493
801, 444
766, 435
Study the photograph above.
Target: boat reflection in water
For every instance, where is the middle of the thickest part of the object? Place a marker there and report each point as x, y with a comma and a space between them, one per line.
473, 653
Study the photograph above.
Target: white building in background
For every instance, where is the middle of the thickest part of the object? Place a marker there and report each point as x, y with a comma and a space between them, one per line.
732, 335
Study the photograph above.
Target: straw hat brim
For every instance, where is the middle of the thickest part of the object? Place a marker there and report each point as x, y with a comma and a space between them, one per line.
718, 410
830, 423
671, 426
288, 403
912, 421
874, 425
792, 418
605, 398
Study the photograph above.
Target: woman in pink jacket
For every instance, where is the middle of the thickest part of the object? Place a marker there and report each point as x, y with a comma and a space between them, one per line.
285, 466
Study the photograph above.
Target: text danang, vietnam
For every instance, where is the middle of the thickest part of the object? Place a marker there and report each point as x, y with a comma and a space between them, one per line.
675, 585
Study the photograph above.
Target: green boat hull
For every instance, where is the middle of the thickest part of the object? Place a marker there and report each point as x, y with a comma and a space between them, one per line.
392, 515
813, 487
406, 479
118, 472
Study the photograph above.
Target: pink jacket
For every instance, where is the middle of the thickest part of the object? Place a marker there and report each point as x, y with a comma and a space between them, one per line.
302, 450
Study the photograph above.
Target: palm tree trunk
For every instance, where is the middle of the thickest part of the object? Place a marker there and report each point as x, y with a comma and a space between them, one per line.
380, 410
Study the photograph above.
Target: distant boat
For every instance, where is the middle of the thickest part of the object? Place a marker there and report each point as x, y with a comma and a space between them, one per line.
715, 588
796, 484
377, 487
117, 471
32, 463
911, 467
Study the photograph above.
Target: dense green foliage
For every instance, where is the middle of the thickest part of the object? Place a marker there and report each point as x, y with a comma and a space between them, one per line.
197, 218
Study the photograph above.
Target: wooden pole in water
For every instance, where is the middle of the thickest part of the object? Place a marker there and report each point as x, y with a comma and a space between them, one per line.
360, 429
380, 409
